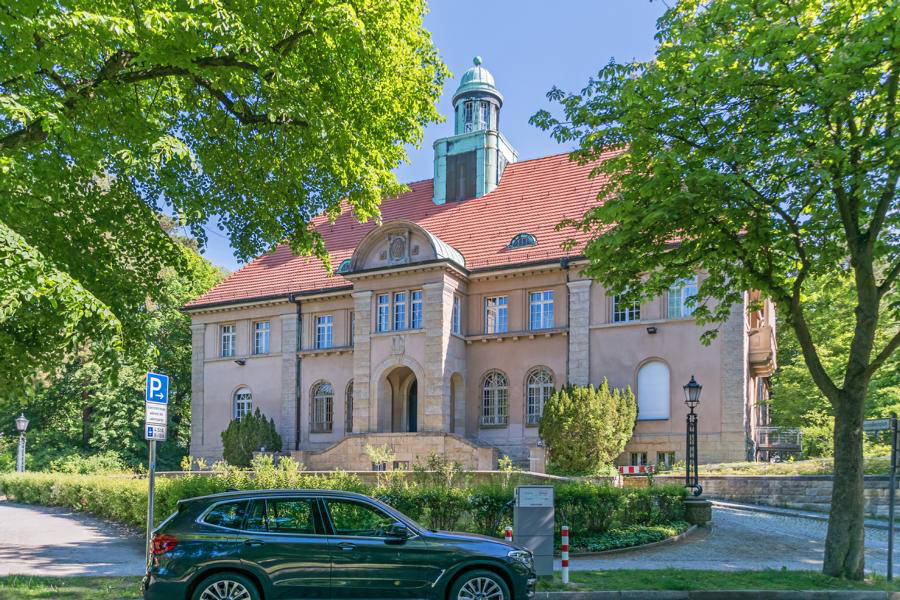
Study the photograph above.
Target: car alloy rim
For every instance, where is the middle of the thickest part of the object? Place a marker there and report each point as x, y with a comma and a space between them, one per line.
480, 588
225, 590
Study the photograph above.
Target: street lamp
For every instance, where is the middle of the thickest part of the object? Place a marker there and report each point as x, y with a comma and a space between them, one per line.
21, 425
692, 399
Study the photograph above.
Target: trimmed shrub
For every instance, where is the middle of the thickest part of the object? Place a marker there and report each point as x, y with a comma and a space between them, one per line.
444, 506
247, 435
490, 507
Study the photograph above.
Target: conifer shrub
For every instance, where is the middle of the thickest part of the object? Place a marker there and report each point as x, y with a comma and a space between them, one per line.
251, 433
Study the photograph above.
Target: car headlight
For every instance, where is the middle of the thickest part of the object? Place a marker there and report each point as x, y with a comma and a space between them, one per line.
523, 556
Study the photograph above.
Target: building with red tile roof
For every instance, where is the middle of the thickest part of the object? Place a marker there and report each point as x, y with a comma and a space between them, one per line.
447, 326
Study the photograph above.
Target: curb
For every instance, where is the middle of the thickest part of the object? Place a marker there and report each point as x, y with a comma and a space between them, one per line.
791, 512
675, 538
718, 594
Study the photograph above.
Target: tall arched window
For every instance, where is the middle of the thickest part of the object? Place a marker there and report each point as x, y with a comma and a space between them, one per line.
321, 409
653, 391
538, 388
242, 403
348, 408
495, 399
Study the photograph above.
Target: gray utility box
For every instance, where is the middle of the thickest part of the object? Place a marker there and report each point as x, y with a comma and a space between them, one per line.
533, 524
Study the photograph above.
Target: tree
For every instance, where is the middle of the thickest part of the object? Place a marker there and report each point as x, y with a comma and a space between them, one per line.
251, 433
257, 115
795, 400
585, 428
758, 147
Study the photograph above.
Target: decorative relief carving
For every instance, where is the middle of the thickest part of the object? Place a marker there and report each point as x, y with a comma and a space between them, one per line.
398, 345
415, 250
383, 255
397, 248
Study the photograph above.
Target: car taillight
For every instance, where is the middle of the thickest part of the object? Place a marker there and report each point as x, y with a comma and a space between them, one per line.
163, 543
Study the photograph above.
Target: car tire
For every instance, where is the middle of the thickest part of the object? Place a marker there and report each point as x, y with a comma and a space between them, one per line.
479, 585
226, 586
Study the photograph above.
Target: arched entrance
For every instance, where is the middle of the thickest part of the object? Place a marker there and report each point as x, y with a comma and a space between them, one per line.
403, 392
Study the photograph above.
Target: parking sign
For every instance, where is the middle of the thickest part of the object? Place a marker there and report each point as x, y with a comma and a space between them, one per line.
157, 388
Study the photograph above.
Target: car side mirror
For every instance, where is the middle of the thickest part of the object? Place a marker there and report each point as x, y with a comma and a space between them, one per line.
397, 531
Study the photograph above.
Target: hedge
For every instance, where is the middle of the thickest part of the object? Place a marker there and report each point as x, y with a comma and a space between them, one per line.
486, 508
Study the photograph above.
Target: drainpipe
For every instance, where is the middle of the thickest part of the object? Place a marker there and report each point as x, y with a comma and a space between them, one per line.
298, 386
564, 264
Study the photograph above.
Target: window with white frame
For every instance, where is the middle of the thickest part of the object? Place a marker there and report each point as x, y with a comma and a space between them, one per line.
538, 389
665, 459
468, 115
320, 410
229, 337
383, 322
242, 403
495, 320
399, 311
415, 309
679, 293
485, 114
495, 399
626, 310
324, 331
455, 318
653, 391
348, 408
541, 310
638, 459
261, 337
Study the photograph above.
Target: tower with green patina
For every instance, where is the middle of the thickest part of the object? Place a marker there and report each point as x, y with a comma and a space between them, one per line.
470, 163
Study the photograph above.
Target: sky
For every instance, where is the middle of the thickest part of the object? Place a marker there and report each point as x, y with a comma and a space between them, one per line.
529, 46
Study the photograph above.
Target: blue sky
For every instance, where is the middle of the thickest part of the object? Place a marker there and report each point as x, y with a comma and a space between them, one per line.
529, 46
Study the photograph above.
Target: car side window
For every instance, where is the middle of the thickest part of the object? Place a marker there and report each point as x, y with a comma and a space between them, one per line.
227, 514
290, 515
356, 519
256, 516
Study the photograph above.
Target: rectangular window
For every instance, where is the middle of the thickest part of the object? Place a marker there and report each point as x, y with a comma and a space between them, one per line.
350, 333
468, 115
624, 311
679, 293
665, 459
399, 311
485, 114
384, 313
261, 337
229, 336
541, 310
461, 170
324, 331
415, 310
455, 324
495, 314
638, 459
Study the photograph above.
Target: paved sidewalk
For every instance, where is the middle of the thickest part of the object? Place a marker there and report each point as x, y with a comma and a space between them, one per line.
741, 539
41, 540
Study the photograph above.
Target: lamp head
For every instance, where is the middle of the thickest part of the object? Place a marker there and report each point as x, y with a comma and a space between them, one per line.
692, 393
22, 423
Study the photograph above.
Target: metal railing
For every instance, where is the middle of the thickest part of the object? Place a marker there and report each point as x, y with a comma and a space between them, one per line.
783, 438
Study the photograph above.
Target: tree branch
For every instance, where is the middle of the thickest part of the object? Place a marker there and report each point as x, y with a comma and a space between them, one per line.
882, 356
888, 281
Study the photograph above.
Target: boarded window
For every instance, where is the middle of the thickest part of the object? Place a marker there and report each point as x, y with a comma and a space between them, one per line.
653, 391
461, 176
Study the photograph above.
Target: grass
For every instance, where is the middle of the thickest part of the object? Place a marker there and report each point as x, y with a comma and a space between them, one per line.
70, 588
681, 579
873, 465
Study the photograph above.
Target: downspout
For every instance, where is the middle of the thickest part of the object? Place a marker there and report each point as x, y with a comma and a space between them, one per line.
564, 264
298, 372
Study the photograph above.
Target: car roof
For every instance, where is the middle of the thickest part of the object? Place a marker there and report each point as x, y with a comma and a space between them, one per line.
238, 494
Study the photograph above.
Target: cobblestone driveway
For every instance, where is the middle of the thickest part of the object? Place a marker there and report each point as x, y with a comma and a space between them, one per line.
741, 539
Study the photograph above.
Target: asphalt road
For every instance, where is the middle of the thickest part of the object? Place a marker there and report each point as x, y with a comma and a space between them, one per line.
739, 540
40, 540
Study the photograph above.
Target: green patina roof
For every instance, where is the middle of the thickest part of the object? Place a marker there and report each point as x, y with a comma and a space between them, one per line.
477, 79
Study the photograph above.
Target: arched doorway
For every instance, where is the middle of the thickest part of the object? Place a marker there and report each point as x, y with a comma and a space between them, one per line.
412, 407
403, 393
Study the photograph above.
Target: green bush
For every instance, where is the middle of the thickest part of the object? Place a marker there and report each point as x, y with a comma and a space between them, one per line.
247, 435
585, 428
102, 463
490, 508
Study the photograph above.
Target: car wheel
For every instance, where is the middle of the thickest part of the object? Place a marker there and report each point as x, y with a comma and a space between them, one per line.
226, 586
479, 585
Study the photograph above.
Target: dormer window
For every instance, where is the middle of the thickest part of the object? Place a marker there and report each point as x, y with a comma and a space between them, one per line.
523, 239
344, 267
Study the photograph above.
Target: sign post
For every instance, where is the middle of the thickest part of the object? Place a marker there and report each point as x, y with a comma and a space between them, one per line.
156, 412
872, 426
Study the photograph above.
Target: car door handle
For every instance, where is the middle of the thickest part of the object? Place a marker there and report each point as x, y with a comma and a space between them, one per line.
253, 543
346, 546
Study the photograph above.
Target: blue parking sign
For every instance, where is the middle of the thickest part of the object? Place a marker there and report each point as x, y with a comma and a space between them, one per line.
157, 388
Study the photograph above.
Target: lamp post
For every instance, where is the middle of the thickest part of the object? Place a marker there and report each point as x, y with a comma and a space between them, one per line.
21, 425
692, 399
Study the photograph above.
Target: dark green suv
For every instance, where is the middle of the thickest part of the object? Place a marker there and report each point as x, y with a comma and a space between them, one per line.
257, 545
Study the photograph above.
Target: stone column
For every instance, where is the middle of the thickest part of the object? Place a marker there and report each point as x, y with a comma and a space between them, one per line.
362, 363
579, 332
734, 356
435, 390
198, 355
289, 382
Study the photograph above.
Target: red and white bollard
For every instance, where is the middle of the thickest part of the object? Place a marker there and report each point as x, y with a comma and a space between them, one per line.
565, 554
507, 534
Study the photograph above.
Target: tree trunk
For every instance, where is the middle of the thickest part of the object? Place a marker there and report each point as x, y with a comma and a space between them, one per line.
844, 542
